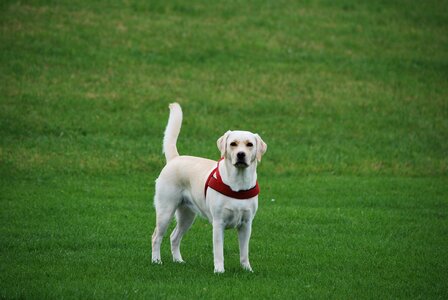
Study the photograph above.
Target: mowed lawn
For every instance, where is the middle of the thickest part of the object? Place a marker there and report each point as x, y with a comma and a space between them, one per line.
350, 96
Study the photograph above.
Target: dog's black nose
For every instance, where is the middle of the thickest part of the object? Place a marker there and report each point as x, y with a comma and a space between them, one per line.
241, 155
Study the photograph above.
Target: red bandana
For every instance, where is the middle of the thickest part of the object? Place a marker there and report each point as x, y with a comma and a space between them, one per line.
221, 187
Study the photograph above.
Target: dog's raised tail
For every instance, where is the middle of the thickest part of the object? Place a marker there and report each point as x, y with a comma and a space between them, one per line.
172, 132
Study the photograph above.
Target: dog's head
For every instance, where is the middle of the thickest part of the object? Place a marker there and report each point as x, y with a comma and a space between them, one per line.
242, 148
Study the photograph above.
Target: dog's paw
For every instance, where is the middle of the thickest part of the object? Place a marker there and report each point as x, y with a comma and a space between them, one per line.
219, 269
157, 261
247, 268
178, 260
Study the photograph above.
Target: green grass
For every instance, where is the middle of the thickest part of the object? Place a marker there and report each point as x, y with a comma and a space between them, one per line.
350, 97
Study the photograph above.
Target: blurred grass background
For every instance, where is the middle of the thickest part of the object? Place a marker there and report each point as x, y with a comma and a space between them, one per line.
351, 98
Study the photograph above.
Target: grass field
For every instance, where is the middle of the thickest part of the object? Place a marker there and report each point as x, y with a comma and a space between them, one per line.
350, 96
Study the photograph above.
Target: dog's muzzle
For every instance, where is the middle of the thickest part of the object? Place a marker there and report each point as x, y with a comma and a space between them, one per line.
241, 160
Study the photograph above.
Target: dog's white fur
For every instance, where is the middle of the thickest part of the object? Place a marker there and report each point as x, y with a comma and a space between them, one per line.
180, 191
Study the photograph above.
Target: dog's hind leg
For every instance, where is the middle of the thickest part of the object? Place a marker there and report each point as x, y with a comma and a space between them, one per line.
185, 218
165, 204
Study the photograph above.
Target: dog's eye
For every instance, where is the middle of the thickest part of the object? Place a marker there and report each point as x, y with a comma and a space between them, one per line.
250, 145
233, 144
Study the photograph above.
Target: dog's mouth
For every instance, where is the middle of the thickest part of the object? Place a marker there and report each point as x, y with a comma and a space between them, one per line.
241, 164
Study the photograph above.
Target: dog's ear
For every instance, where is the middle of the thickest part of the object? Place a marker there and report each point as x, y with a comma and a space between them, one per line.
261, 147
222, 143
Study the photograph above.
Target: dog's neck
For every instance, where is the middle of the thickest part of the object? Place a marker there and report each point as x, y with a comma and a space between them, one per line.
238, 179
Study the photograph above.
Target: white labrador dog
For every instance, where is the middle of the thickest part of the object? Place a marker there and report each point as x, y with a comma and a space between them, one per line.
183, 189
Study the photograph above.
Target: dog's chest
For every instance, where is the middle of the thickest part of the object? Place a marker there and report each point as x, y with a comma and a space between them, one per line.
235, 217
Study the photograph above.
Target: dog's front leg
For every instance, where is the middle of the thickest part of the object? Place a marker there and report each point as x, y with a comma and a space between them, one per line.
244, 232
218, 246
